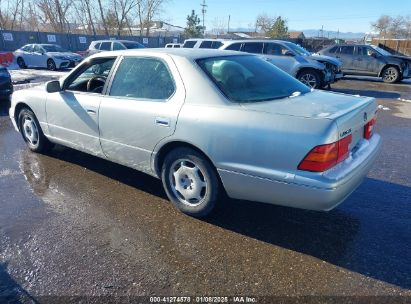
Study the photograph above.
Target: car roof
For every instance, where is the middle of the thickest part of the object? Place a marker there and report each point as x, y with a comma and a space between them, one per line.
191, 54
256, 40
116, 40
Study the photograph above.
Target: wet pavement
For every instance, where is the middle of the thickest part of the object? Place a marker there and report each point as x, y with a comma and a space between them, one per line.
75, 225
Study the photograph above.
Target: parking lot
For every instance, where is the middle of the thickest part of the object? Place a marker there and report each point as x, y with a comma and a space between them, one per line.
75, 225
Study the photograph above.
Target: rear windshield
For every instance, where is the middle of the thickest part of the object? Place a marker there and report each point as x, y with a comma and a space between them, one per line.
250, 79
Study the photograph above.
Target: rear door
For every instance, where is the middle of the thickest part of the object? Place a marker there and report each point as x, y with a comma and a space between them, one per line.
346, 54
141, 108
39, 57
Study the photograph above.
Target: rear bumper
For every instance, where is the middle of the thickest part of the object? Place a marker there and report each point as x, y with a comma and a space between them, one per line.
312, 191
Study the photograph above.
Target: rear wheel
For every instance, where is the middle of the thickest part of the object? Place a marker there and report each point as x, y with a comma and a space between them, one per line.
190, 182
51, 65
31, 131
391, 74
310, 78
21, 63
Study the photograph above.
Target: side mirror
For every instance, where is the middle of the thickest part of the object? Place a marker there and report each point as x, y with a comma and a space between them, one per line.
53, 86
374, 55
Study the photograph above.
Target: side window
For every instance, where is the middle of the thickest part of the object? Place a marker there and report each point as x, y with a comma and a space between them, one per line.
142, 78
234, 47
253, 47
216, 44
189, 44
105, 46
333, 49
28, 48
365, 51
347, 50
36, 49
206, 44
91, 77
118, 46
97, 45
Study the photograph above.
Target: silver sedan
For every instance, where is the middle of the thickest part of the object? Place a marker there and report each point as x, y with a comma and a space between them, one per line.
207, 122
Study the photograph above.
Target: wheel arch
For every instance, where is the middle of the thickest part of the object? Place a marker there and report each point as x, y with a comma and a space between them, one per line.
390, 65
169, 146
19, 106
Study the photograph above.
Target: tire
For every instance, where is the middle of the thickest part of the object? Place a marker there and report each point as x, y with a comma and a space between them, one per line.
21, 63
31, 131
310, 78
391, 74
51, 65
190, 181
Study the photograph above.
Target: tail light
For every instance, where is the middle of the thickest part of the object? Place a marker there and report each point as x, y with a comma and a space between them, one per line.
324, 157
368, 128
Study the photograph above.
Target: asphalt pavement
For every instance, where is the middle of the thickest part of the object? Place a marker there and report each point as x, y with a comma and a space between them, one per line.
74, 225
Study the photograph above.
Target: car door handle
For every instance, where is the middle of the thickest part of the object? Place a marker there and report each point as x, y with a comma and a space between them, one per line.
162, 121
91, 111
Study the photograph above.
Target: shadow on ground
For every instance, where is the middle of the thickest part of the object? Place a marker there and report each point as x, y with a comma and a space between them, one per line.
369, 93
370, 233
10, 290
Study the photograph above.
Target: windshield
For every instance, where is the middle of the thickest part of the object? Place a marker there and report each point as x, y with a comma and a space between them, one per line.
53, 48
381, 51
298, 49
250, 79
133, 45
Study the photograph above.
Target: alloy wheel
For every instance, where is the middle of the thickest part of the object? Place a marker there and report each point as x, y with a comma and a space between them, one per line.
309, 80
30, 130
188, 182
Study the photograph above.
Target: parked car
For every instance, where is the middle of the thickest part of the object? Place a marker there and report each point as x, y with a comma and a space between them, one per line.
207, 122
197, 43
173, 45
50, 56
112, 45
6, 87
370, 60
313, 71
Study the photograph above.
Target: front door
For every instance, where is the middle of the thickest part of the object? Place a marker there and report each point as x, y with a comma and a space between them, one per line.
367, 60
38, 57
140, 109
280, 56
72, 114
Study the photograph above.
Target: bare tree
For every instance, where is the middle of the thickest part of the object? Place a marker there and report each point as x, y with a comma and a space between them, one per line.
263, 23
55, 12
382, 25
11, 14
147, 10
397, 27
219, 26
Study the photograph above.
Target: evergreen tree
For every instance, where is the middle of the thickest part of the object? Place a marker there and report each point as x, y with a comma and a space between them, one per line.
279, 29
193, 28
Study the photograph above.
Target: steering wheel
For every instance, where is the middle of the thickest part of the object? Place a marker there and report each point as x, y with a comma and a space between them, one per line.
95, 83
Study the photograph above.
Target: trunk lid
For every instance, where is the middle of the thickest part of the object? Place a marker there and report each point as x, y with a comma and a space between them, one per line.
350, 113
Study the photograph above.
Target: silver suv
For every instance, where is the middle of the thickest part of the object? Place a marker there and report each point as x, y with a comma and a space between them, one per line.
112, 45
312, 70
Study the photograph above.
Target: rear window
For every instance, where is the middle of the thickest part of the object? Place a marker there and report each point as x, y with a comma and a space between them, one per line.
250, 79
253, 47
105, 46
333, 49
133, 45
234, 47
347, 50
206, 44
189, 44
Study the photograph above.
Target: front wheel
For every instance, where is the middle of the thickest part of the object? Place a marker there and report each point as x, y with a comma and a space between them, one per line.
190, 182
31, 131
391, 74
51, 65
310, 78
21, 63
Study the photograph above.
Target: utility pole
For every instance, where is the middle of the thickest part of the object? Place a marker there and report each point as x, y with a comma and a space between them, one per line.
228, 28
203, 11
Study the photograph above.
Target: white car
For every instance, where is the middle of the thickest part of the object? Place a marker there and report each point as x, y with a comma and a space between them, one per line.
50, 56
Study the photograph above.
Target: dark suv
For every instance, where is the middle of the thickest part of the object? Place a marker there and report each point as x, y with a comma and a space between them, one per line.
370, 60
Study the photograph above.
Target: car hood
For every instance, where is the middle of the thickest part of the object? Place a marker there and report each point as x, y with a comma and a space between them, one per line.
64, 54
406, 58
323, 58
315, 104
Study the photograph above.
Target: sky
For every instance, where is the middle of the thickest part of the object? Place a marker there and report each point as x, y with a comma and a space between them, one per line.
345, 16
